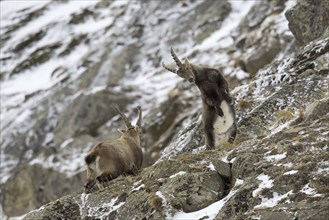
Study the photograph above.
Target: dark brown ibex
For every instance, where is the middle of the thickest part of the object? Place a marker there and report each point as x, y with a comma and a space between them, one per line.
218, 113
110, 159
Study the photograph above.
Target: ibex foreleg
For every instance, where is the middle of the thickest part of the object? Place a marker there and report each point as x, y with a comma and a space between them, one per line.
103, 179
90, 183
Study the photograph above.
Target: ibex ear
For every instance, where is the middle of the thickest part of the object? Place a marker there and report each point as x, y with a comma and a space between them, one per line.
186, 62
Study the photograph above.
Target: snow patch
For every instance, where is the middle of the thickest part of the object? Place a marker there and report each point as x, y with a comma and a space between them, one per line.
211, 167
177, 174
66, 142
309, 191
70, 162
104, 210
288, 165
274, 158
266, 183
164, 203
279, 128
291, 172
271, 202
48, 139
222, 37
210, 211
137, 188
83, 206
9, 8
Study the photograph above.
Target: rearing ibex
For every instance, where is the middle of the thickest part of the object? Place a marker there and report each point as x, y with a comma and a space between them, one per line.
218, 113
110, 159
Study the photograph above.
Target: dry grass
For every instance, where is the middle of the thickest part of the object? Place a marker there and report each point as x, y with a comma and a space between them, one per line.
243, 104
155, 202
285, 114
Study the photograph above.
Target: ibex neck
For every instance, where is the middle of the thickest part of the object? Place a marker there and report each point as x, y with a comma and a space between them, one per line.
134, 139
199, 73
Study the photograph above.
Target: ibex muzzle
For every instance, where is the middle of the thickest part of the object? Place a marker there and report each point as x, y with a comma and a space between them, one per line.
110, 159
218, 110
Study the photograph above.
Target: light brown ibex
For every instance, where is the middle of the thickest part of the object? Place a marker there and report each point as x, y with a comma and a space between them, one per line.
110, 159
218, 113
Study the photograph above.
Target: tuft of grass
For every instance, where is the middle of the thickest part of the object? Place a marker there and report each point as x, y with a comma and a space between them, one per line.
243, 104
155, 202
241, 138
284, 115
226, 145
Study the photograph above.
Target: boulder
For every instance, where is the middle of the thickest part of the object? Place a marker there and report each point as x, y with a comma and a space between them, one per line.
309, 20
263, 55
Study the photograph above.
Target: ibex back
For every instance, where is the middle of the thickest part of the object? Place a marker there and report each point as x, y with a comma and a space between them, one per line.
110, 159
218, 110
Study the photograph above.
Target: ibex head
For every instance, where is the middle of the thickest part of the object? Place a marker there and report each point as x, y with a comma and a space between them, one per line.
184, 70
129, 127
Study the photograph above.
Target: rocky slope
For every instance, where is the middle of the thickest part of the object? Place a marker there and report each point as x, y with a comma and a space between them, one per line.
62, 71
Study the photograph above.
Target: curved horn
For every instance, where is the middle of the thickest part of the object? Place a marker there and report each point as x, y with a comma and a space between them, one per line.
124, 117
169, 69
174, 56
139, 121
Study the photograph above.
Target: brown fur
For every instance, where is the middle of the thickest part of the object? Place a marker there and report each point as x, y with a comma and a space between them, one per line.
214, 91
122, 156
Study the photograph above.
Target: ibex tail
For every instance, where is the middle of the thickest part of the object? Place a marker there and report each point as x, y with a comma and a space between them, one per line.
90, 158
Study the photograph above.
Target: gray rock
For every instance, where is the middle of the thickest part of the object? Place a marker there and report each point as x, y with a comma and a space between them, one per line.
308, 20
317, 109
87, 113
262, 55
69, 209
240, 202
271, 163
149, 194
222, 168
194, 191
34, 185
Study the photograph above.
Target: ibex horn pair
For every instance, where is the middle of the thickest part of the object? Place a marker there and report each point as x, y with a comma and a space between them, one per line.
177, 61
124, 118
127, 121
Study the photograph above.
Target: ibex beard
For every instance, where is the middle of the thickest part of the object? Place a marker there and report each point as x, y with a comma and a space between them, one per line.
218, 114
110, 159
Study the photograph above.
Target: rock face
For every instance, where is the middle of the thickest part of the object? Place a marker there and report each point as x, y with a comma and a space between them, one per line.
150, 194
309, 20
87, 113
34, 182
278, 165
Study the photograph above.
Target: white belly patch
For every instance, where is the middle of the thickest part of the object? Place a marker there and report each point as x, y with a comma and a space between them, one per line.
223, 124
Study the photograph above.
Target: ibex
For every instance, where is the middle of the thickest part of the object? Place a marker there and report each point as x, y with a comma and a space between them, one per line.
110, 159
218, 113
